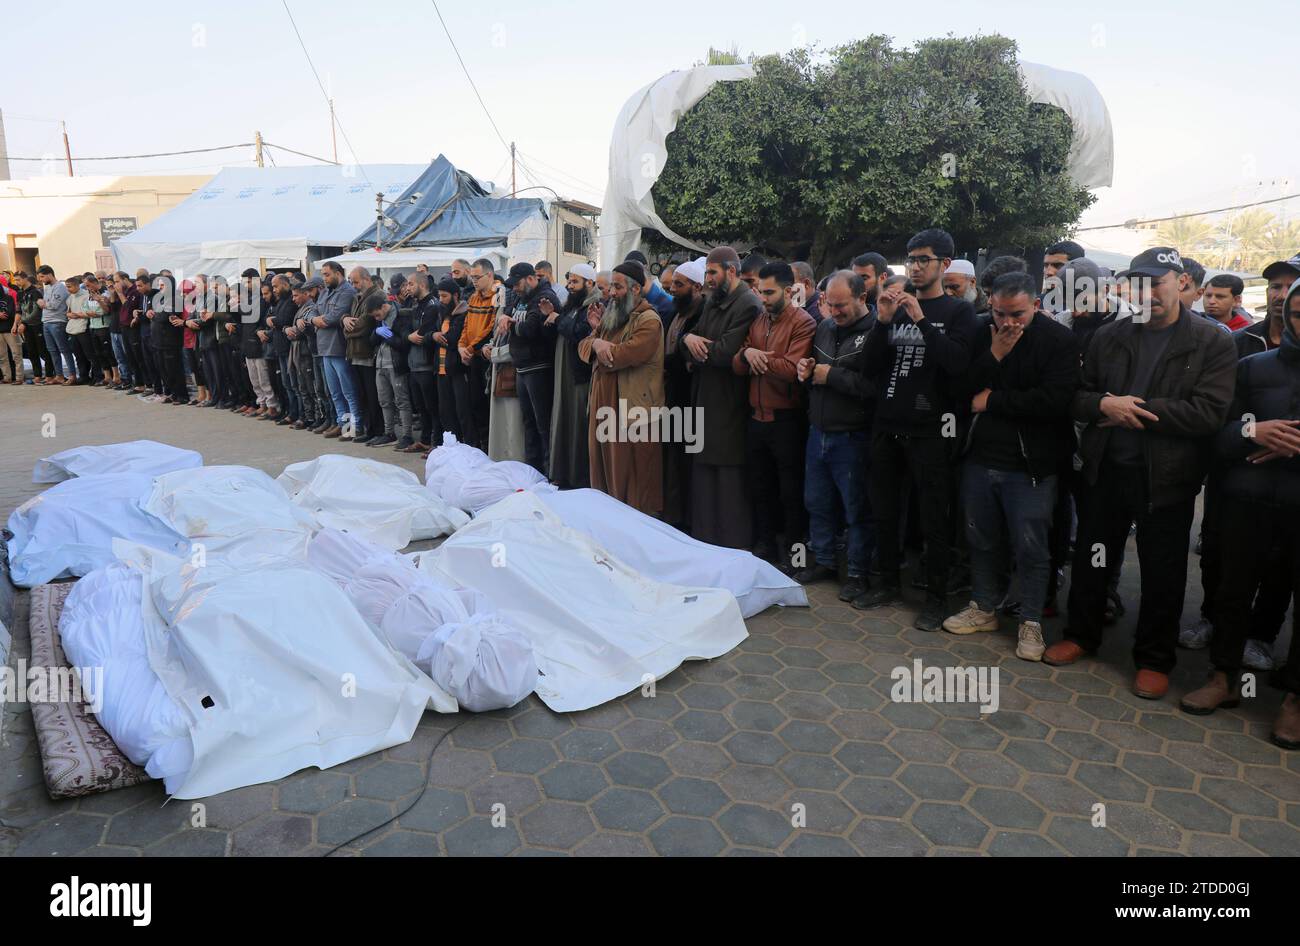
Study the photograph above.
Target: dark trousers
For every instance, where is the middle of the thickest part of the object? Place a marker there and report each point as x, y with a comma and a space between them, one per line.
536, 389
774, 457
37, 354
323, 391
83, 348
925, 463
371, 414
448, 419
1120, 497
290, 405
1255, 536
241, 389
459, 383
159, 372
480, 402
720, 512
837, 468
173, 372
1000, 503
214, 373
101, 345
424, 398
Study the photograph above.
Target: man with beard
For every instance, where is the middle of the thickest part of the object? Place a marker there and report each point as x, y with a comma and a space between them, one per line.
807, 280
480, 315
778, 340
602, 284
532, 346
626, 355
281, 319
570, 463
688, 302
720, 513
301, 364
959, 282
874, 271
334, 303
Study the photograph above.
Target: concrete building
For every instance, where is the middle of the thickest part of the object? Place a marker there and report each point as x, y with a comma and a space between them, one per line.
68, 222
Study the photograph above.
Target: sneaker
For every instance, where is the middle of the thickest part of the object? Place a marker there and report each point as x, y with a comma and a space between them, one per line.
1258, 655
1031, 645
854, 587
931, 616
1196, 636
402, 444
381, 440
970, 619
815, 573
879, 596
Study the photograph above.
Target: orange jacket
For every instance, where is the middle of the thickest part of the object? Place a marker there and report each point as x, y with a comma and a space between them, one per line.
789, 336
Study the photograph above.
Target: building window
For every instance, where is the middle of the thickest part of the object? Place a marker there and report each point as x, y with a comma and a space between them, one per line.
577, 240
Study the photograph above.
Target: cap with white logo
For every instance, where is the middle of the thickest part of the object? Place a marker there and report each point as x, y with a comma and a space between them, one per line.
1154, 262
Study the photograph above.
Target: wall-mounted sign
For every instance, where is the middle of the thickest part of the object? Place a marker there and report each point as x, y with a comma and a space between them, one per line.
110, 228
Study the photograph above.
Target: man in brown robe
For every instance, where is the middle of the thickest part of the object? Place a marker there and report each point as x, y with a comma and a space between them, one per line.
626, 354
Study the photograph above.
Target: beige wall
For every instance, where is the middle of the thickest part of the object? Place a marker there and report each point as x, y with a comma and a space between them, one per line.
555, 244
63, 213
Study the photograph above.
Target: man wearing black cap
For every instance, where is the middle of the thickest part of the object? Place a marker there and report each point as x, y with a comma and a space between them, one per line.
1156, 389
1266, 334
532, 346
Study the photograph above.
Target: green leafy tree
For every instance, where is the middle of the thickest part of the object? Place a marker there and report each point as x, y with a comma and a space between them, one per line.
1188, 235
1280, 241
824, 156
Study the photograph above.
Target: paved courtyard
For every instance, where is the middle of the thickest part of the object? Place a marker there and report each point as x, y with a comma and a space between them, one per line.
790, 744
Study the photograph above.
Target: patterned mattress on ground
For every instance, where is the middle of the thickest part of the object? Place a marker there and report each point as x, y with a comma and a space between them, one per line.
78, 756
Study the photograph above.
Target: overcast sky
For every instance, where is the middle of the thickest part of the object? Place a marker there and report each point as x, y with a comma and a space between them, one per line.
1202, 96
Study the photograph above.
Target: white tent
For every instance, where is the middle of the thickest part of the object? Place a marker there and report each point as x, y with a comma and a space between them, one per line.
638, 146
253, 217
404, 261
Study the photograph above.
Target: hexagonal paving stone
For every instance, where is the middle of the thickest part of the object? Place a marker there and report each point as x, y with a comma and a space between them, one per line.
709, 696
627, 809
757, 664
949, 824
663, 706
921, 746
609, 715
525, 756
693, 796
971, 733
1157, 770
1179, 728
312, 791
822, 812
1238, 798
804, 678
517, 792
804, 736
479, 732
574, 781
702, 726
697, 758
1037, 756
477, 837
602, 844
757, 716
861, 726
344, 822
389, 781
877, 796
1192, 811
680, 836
1006, 809
1018, 725
757, 783
755, 748
69, 833
146, 824
1060, 794
646, 735
436, 811
192, 842
813, 771
876, 837
933, 782
637, 769
1079, 837
1110, 782
278, 834
1103, 707
541, 723
233, 808
587, 745
1246, 748
1272, 837
556, 824
756, 688
755, 826
1141, 825
868, 758
459, 768
1016, 844
987, 768
911, 715
817, 845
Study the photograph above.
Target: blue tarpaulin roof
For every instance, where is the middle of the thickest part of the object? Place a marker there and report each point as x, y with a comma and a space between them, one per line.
462, 214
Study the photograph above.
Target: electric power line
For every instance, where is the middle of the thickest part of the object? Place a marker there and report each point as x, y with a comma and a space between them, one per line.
463, 69
301, 154
1199, 213
558, 172
325, 93
129, 157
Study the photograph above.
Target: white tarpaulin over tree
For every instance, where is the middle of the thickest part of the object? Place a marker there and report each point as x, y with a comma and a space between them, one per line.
638, 147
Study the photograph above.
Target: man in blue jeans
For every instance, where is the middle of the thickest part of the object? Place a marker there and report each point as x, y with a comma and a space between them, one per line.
841, 402
1018, 438
54, 322
334, 302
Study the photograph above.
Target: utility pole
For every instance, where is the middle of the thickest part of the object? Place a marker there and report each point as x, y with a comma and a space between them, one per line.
333, 138
257, 141
379, 222
67, 151
512, 169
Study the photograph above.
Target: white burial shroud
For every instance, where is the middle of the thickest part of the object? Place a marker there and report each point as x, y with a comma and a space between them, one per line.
69, 529
379, 502
135, 456
452, 634
232, 512
464, 477
659, 551
599, 628
273, 667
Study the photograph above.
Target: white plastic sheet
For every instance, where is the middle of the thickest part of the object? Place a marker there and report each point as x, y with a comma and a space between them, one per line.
659, 551
453, 634
135, 456
102, 626
599, 629
232, 512
276, 670
380, 502
69, 529
465, 478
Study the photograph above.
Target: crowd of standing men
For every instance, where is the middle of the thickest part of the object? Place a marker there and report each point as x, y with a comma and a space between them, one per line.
998, 430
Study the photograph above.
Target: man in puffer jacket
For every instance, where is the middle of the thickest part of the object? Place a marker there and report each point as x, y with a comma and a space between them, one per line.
1261, 488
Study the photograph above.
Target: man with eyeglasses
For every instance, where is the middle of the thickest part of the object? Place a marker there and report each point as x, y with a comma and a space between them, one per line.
918, 346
